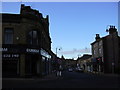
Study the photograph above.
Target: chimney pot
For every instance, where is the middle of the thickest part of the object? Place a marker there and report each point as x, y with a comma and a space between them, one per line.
97, 37
114, 27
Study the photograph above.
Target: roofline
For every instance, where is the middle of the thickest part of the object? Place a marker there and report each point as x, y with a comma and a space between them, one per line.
9, 14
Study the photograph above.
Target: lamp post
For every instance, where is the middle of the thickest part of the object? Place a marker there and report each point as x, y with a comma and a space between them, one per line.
58, 61
58, 48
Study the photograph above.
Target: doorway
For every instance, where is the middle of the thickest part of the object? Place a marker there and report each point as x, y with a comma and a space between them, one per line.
31, 64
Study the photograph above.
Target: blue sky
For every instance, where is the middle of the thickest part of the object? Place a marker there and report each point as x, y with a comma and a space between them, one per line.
73, 25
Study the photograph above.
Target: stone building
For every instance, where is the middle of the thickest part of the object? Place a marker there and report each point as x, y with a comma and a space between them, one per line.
105, 52
84, 62
97, 54
70, 63
26, 43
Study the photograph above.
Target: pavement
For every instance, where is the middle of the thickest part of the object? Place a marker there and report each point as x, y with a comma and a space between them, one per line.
51, 76
105, 74
111, 75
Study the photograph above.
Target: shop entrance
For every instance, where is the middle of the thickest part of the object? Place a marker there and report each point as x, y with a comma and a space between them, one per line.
31, 64
10, 68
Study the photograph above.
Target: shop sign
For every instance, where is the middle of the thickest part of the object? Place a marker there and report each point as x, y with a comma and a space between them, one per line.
44, 53
32, 50
4, 49
10, 55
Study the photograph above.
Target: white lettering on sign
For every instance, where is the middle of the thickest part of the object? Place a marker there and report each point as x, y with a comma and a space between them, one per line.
6, 55
3, 49
10, 55
44, 53
32, 50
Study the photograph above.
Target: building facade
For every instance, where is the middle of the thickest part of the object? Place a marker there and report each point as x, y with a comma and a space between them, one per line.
84, 62
26, 43
105, 52
70, 63
97, 54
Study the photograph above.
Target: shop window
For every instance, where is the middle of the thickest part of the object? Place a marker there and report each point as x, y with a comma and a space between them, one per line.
8, 33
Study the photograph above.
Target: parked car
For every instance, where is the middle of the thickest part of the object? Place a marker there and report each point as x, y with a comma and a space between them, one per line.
78, 69
70, 69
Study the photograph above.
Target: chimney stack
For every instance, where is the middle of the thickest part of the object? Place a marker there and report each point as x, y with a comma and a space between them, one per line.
112, 30
97, 37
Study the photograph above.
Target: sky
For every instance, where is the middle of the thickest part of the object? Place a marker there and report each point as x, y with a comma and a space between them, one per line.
73, 25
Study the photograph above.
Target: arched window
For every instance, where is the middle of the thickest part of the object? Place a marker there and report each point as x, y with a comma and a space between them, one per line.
33, 37
8, 36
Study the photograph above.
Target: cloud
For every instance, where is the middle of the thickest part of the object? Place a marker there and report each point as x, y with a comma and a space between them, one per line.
85, 50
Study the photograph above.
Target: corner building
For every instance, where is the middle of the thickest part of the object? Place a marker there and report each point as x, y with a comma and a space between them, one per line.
26, 43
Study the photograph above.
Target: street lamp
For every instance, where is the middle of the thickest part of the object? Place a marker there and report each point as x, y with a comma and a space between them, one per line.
58, 48
79, 55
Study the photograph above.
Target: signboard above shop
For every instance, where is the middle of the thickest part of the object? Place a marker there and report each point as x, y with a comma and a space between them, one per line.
44, 53
23, 49
3, 49
10, 55
32, 50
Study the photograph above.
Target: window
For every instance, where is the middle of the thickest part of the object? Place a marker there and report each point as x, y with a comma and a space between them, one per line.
100, 43
94, 52
100, 50
8, 32
33, 38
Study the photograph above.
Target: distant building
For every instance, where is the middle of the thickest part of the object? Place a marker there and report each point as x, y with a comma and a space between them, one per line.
105, 52
84, 62
26, 43
70, 63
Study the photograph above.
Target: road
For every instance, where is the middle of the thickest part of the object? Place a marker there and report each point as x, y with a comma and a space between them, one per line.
68, 80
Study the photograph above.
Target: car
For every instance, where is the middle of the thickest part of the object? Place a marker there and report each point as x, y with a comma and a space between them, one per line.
79, 69
70, 69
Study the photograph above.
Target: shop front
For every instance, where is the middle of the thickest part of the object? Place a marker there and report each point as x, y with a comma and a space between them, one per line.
10, 61
32, 61
32, 64
37, 62
46, 62
97, 64
19, 60
10, 64
24, 61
